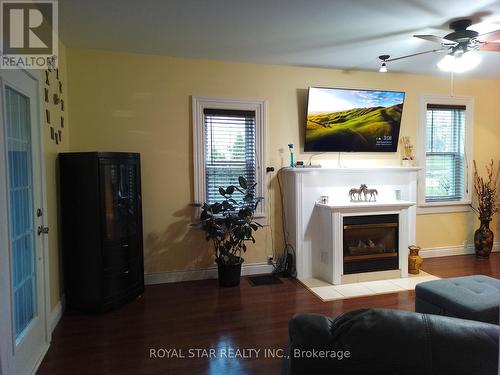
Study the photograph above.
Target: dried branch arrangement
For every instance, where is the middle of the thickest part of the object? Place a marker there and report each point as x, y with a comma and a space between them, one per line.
486, 192
407, 148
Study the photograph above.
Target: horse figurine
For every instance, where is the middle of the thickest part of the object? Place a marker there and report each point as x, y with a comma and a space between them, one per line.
372, 193
355, 194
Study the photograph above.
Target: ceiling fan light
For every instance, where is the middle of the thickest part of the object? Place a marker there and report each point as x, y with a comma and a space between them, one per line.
459, 63
470, 60
383, 68
447, 63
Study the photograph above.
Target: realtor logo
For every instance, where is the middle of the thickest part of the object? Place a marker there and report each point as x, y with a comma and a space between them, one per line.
29, 34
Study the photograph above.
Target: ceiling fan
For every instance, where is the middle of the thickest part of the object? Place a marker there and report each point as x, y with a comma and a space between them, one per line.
462, 46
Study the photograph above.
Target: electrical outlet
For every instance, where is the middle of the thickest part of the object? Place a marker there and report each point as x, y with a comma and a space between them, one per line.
270, 259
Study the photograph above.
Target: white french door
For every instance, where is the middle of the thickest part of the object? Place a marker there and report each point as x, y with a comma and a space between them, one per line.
23, 323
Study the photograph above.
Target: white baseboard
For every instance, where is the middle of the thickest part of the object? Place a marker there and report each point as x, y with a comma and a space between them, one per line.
207, 273
56, 314
434, 252
40, 359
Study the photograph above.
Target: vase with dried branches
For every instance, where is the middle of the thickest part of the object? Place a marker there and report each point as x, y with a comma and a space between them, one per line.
485, 207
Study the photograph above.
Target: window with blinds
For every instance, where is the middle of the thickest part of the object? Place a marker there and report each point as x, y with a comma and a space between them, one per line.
230, 151
445, 153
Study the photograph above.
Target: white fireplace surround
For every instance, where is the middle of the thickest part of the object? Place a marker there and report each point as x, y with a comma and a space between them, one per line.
315, 230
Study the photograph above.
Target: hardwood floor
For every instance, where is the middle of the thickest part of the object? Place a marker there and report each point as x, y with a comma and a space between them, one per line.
201, 315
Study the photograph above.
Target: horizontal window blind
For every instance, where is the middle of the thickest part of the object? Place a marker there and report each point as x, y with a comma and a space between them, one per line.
229, 150
445, 153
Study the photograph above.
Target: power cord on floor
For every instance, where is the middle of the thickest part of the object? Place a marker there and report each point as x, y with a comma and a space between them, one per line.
285, 265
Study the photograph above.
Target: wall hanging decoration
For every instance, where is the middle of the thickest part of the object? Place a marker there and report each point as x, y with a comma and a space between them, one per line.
52, 133
47, 115
47, 80
60, 87
62, 105
56, 99
57, 73
46, 91
57, 138
59, 133
62, 122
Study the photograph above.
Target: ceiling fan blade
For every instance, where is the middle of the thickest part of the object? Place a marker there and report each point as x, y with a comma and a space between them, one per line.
436, 39
489, 37
494, 47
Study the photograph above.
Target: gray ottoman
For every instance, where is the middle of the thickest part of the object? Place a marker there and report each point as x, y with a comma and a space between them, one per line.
470, 297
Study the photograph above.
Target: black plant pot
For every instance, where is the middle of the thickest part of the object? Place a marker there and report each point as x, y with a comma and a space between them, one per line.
229, 274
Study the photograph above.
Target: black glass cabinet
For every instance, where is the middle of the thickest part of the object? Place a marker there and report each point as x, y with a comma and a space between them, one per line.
101, 229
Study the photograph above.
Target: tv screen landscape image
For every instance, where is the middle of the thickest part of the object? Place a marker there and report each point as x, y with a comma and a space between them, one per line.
351, 120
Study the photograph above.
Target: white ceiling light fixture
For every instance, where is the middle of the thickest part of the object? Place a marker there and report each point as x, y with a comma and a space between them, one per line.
459, 61
383, 63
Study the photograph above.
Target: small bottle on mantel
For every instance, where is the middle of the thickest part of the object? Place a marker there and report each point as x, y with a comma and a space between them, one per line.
414, 260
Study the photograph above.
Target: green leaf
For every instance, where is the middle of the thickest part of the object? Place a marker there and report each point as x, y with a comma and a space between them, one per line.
230, 189
222, 191
227, 205
248, 197
243, 182
254, 226
217, 207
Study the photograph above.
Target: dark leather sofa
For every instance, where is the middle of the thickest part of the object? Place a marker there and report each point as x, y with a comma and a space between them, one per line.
390, 342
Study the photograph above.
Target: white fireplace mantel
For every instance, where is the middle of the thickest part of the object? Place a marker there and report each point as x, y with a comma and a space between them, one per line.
315, 230
365, 206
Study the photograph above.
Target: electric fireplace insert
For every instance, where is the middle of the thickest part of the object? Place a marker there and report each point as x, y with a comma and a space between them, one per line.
371, 243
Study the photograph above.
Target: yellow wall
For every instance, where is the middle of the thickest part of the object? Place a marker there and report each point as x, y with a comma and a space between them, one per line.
141, 103
51, 150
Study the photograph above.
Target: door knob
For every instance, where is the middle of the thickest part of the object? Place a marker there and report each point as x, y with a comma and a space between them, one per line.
42, 229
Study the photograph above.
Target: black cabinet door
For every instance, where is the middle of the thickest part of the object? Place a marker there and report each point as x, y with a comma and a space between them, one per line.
119, 179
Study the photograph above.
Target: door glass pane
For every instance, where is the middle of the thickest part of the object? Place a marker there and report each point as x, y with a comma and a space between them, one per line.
21, 208
119, 192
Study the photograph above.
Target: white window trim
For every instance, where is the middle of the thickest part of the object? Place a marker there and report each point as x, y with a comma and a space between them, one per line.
446, 207
199, 103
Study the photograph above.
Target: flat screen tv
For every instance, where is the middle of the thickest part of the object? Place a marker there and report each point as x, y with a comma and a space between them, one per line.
351, 120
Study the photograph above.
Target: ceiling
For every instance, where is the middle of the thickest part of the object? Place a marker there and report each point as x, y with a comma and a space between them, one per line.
343, 34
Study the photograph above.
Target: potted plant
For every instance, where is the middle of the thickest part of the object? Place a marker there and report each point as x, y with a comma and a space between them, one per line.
487, 206
229, 223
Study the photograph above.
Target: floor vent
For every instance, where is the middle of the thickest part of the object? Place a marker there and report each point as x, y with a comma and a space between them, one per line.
264, 280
